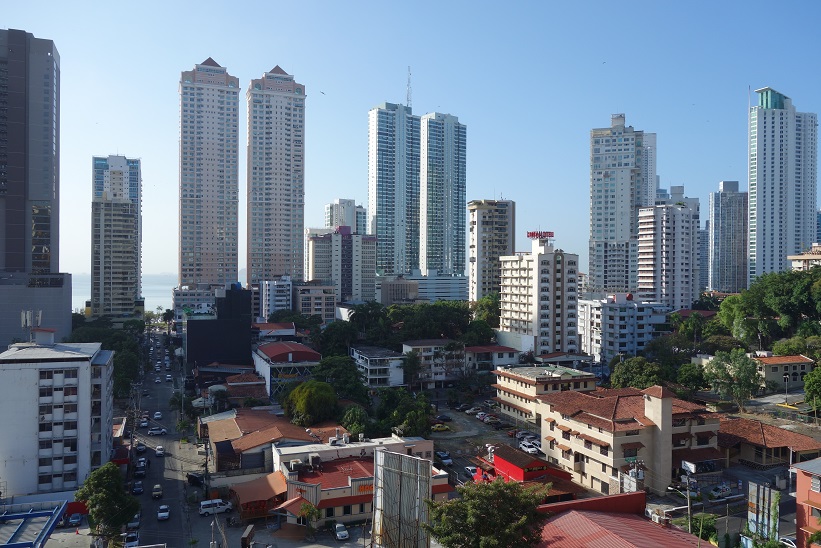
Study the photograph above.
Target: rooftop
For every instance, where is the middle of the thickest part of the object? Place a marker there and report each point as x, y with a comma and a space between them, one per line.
338, 473
543, 374
588, 529
428, 342
735, 431
489, 348
811, 466
783, 360
376, 352
32, 352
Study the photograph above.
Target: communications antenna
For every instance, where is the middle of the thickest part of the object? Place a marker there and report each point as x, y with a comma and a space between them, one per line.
409, 99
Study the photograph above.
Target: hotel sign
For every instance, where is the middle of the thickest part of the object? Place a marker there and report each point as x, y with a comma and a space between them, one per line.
539, 235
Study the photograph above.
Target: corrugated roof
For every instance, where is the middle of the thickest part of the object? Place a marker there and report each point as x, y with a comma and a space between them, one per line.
588, 529
811, 466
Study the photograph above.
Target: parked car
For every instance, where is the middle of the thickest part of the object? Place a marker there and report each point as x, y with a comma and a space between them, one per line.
490, 419
157, 416
491, 403
473, 410
156, 493
439, 428
512, 433
521, 434
463, 407
529, 448
444, 418
137, 489
163, 512
470, 471
444, 456
195, 479
481, 415
140, 447
720, 491
340, 532
434, 421
157, 431
135, 522
159, 451
792, 542
132, 540
75, 520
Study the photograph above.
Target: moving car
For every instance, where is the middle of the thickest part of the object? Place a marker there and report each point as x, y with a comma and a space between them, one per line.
144, 423
163, 512
156, 431
159, 451
444, 456
157, 416
157, 381
137, 489
439, 428
140, 447
340, 532
156, 493
139, 471
168, 378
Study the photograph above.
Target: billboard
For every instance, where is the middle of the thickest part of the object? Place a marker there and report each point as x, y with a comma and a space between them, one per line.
401, 484
759, 510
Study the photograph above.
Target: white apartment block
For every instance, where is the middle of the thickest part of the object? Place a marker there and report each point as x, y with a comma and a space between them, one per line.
442, 361
538, 300
393, 187
617, 325
492, 235
442, 187
199, 299
116, 236
727, 252
60, 423
275, 295
276, 176
380, 367
435, 287
342, 212
622, 180
668, 268
782, 175
209, 175
345, 260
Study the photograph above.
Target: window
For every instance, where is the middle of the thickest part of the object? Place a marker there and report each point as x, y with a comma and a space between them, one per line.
630, 453
71, 459
632, 433
329, 512
816, 484
71, 374
45, 427
604, 467
70, 391
679, 422
702, 440
361, 508
46, 375
603, 450
45, 410
346, 510
45, 444
44, 461
46, 392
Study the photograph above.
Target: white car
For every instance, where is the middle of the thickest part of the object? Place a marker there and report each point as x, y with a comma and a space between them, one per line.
132, 540
157, 416
157, 431
163, 512
444, 456
792, 542
473, 410
529, 448
340, 532
481, 415
159, 451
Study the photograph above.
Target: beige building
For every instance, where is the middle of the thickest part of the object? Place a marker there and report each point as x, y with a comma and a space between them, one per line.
773, 370
398, 290
345, 260
806, 260
600, 436
517, 388
311, 299
492, 235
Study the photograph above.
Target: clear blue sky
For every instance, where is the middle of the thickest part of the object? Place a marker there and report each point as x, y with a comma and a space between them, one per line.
530, 79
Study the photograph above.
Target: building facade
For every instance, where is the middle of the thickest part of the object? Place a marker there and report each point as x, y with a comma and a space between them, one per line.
668, 266
345, 260
617, 325
116, 236
492, 235
782, 175
62, 397
314, 298
727, 253
808, 500
276, 176
275, 295
442, 361
342, 212
622, 180
393, 187
442, 187
380, 367
806, 260
30, 186
538, 299
437, 287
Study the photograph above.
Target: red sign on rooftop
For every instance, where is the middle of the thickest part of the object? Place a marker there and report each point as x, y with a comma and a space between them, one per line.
539, 235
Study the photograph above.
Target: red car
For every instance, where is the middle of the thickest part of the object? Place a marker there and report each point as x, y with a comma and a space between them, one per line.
512, 433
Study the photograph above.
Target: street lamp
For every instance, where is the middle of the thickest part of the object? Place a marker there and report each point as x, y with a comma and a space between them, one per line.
786, 385
689, 505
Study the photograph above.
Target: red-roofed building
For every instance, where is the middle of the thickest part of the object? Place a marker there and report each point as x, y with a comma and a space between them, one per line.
760, 445
599, 435
518, 387
784, 371
490, 357
282, 362
273, 331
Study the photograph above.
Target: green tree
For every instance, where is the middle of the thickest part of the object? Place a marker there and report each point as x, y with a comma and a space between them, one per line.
355, 420
168, 315
342, 373
109, 506
335, 339
77, 320
489, 515
812, 387
637, 373
478, 333
411, 367
734, 375
790, 347
310, 402
488, 310
669, 351
311, 513
691, 376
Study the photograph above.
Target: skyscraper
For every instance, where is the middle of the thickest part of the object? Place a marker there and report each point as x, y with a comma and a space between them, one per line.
782, 177
442, 186
276, 177
342, 212
728, 238
492, 235
209, 176
30, 187
393, 187
345, 260
116, 236
622, 180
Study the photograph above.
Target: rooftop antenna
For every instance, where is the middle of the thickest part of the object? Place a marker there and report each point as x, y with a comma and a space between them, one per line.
409, 99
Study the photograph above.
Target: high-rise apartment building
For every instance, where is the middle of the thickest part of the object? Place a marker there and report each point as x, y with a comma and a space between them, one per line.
393, 187
276, 176
209, 175
343, 212
492, 235
704, 257
782, 178
538, 300
345, 260
30, 187
622, 180
275, 295
728, 238
116, 236
442, 187
668, 267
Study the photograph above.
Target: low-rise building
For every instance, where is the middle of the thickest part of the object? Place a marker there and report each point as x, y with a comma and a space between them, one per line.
282, 362
808, 501
484, 359
762, 445
267, 332
807, 260
315, 299
600, 436
517, 388
381, 367
783, 371
442, 360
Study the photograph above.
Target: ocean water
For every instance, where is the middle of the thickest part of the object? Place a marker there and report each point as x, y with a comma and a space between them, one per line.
157, 290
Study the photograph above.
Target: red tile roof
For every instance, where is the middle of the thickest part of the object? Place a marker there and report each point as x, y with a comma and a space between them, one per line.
293, 506
245, 378
660, 392
734, 431
587, 529
256, 391
784, 360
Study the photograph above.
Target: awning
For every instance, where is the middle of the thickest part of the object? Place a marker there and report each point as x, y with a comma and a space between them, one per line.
574, 433
682, 436
706, 433
563, 428
697, 454
550, 438
813, 503
595, 441
563, 447
549, 420
632, 445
